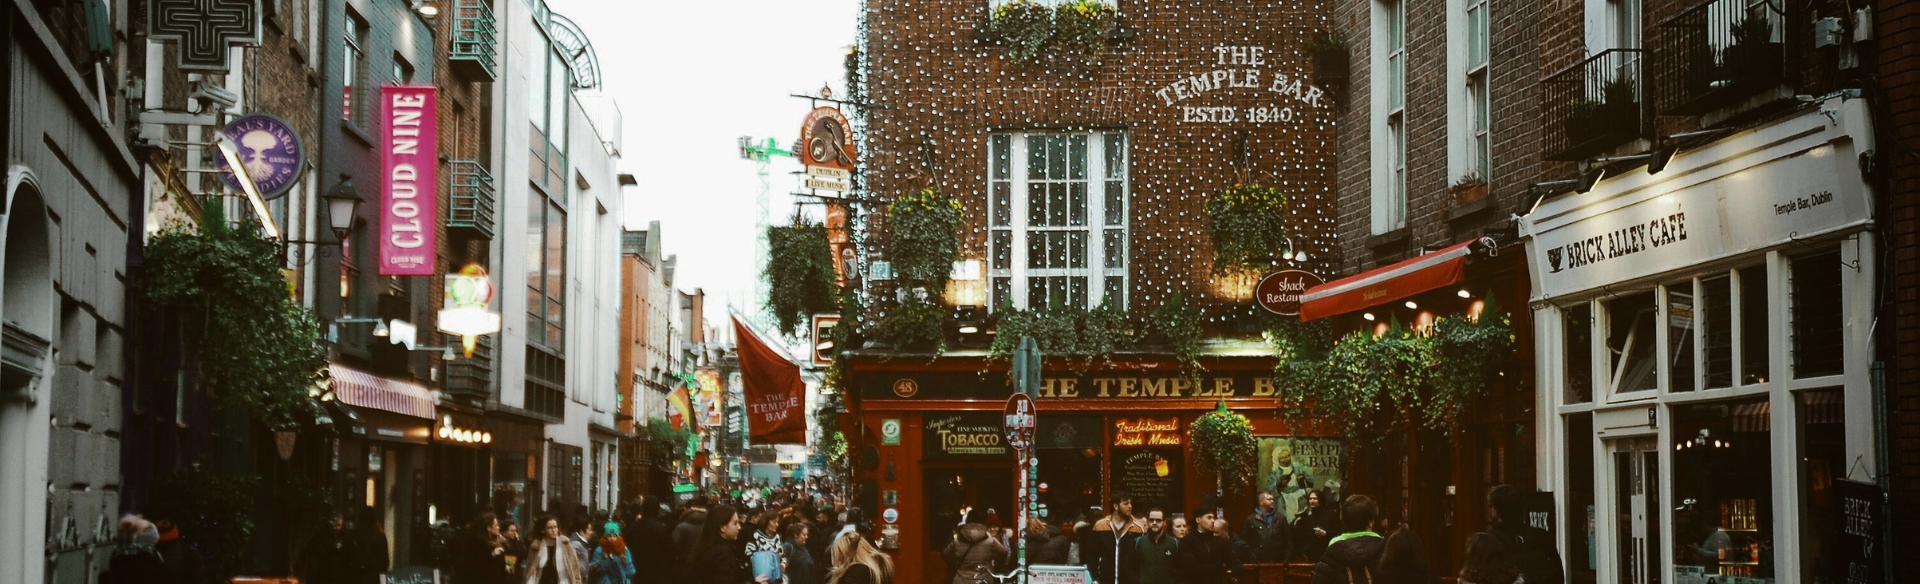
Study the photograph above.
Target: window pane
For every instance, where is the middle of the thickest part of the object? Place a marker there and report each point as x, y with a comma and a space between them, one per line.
1116, 292
1059, 249
1002, 157
1036, 250
1077, 291
1718, 323
1823, 439
1680, 318
1723, 489
1077, 157
1036, 157
1036, 203
536, 231
1116, 153
556, 253
1002, 249
1753, 325
1037, 293
1077, 203
1116, 249
1582, 560
1056, 157
1057, 204
1116, 204
1396, 80
537, 81
1819, 339
1057, 292
1077, 244
1002, 292
1576, 322
1002, 204
1631, 335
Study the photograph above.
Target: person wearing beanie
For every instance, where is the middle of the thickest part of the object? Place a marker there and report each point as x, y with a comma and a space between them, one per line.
1206, 556
973, 554
999, 532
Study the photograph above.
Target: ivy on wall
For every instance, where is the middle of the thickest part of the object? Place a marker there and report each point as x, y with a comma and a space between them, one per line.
1223, 443
799, 275
1092, 336
1367, 385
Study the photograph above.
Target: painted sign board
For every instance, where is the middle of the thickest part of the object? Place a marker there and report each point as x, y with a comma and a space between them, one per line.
270, 150
410, 163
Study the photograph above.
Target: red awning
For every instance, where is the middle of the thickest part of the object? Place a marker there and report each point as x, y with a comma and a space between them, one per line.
1387, 284
362, 389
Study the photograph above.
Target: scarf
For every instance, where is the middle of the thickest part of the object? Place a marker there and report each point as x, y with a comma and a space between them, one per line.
566, 564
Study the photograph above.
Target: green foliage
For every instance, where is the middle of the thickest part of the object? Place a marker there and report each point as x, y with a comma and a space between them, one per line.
925, 230
1248, 224
1081, 27
846, 336
1089, 335
1223, 442
1326, 41
667, 443
1620, 90
1470, 356
1179, 323
799, 275
256, 350
916, 324
215, 511
1023, 26
1752, 31
832, 442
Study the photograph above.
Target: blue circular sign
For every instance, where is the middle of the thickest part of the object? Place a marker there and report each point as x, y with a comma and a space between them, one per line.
269, 149
891, 515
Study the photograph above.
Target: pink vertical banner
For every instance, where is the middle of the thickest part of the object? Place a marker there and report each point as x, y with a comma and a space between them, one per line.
409, 157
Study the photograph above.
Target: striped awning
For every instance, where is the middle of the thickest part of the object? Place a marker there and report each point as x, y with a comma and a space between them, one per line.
362, 389
1827, 406
1753, 417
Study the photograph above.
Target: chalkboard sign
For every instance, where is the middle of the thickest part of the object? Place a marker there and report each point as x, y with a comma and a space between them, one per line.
1540, 512
1857, 548
411, 575
1151, 475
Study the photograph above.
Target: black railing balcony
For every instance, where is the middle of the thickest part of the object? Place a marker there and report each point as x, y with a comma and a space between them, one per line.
471, 202
1592, 106
1714, 55
472, 377
473, 56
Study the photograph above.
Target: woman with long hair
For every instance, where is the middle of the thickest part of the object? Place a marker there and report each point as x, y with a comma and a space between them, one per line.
720, 557
1488, 563
1404, 561
855, 561
611, 564
549, 558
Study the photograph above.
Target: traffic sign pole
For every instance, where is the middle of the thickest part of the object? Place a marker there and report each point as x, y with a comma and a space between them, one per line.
1020, 418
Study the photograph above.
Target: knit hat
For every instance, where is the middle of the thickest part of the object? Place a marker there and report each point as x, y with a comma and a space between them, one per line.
993, 518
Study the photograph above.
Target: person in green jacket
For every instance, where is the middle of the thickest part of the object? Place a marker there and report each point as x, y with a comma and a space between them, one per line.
1156, 550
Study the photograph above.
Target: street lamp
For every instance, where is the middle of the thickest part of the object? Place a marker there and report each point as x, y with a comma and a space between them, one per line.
343, 206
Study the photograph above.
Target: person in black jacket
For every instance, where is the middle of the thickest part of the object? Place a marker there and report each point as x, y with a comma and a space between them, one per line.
1530, 548
719, 557
1404, 562
1206, 555
1317, 523
652, 544
1045, 543
1354, 556
1107, 549
480, 557
1266, 531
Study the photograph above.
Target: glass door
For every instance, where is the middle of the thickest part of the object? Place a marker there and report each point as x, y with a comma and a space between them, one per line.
1636, 504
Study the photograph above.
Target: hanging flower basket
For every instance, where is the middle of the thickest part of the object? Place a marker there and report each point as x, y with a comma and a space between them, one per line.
799, 275
1223, 442
1022, 26
1083, 27
1248, 223
925, 231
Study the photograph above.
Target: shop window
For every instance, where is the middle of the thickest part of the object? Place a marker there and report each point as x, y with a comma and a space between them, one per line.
1583, 554
1823, 441
1723, 491
1631, 333
1819, 334
1717, 322
1058, 219
1754, 354
1074, 454
1577, 324
1680, 348
953, 490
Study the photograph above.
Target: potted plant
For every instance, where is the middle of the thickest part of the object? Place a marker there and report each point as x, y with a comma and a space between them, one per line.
1083, 26
1248, 224
1022, 26
1619, 109
1329, 53
1753, 57
799, 275
1467, 189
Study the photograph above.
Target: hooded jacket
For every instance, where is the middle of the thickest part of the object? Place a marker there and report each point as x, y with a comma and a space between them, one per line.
687, 533
1352, 558
972, 555
1103, 542
1049, 547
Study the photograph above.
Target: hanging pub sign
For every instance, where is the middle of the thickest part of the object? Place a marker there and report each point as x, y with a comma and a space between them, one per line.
826, 148
1279, 292
270, 151
1857, 548
409, 156
971, 435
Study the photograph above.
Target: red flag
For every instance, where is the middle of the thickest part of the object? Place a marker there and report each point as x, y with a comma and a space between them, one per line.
776, 397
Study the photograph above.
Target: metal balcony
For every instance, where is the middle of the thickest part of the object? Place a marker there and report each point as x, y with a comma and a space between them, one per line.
1592, 106
473, 55
1714, 55
472, 377
471, 204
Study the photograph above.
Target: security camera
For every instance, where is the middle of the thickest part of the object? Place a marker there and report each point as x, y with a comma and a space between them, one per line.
211, 95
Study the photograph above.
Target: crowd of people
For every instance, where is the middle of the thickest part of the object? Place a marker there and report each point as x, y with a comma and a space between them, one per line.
743, 535
1161, 546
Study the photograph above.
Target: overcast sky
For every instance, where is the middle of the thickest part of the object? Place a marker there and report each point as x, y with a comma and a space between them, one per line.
691, 77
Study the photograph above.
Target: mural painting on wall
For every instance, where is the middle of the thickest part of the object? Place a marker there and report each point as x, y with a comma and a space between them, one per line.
1294, 465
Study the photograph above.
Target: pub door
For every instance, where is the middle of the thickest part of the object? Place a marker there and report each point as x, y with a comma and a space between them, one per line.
1636, 507
950, 489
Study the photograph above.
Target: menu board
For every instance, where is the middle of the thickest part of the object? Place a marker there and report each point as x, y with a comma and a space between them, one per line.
1151, 475
971, 435
1856, 553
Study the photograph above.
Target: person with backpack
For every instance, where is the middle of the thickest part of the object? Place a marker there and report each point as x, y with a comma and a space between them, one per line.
1531, 549
1353, 557
973, 553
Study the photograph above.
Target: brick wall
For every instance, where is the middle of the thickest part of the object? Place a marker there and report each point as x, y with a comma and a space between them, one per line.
941, 89
1898, 34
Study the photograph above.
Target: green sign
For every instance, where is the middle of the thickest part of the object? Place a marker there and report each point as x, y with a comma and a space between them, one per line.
890, 432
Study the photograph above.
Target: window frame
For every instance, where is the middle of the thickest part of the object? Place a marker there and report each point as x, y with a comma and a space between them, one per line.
1479, 88
1019, 226
1389, 192
356, 72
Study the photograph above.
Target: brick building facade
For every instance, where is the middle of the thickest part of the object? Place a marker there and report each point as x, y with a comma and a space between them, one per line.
1897, 26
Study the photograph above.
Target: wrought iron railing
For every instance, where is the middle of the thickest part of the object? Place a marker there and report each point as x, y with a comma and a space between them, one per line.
474, 54
471, 201
1593, 105
472, 377
1715, 54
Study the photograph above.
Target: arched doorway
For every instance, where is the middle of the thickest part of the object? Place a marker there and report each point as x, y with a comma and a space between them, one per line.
27, 310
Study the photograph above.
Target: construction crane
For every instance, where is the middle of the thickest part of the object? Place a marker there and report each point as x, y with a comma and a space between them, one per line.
762, 154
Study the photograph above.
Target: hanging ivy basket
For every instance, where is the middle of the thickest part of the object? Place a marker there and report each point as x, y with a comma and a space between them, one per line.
925, 231
799, 275
1076, 333
1223, 443
1248, 224
1470, 356
1082, 28
1023, 27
